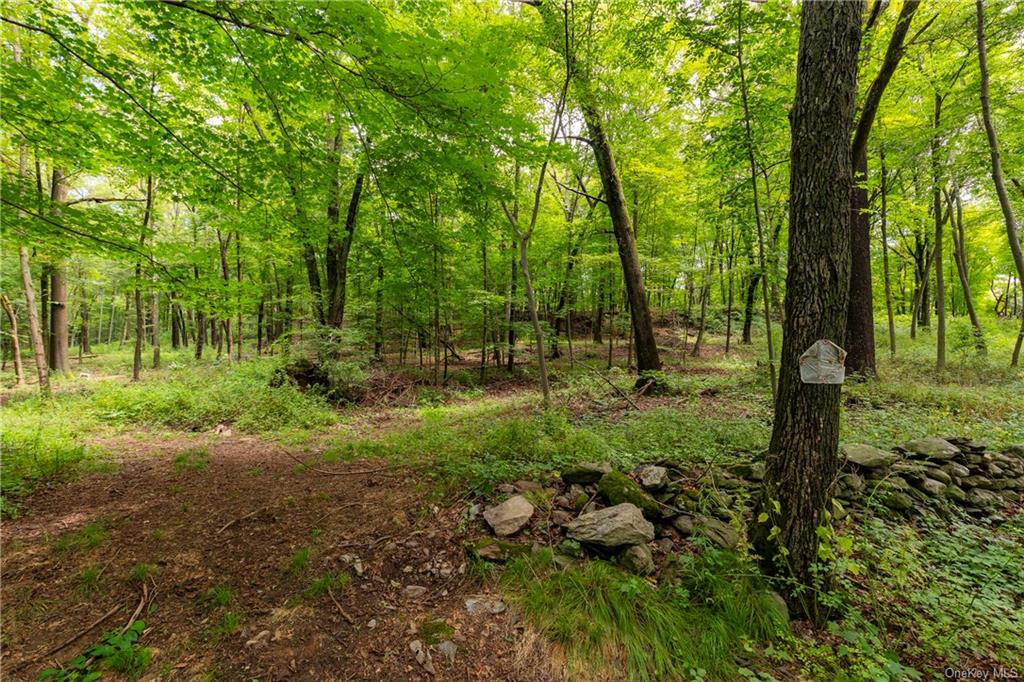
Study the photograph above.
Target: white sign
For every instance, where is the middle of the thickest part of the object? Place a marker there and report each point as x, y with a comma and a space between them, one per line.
823, 363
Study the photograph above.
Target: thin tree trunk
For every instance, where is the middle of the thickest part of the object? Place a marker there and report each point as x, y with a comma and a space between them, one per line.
1009, 219
35, 334
12, 317
960, 260
940, 288
885, 257
139, 319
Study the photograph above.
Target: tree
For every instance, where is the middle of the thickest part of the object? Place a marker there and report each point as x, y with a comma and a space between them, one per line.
997, 168
802, 460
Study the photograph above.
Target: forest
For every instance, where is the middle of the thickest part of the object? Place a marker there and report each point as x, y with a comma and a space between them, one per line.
511, 340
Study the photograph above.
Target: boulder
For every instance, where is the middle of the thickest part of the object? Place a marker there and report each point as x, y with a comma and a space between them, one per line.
586, 473
867, 456
652, 477
618, 488
932, 448
956, 493
510, 516
623, 524
719, 532
637, 559
528, 486
898, 500
977, 482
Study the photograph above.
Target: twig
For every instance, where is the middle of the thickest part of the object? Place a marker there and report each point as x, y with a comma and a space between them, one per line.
326, 472
240, 518
71, 639
138, 609
340, 610
617, 389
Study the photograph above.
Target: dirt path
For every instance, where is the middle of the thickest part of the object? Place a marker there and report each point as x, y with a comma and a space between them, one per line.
245, 517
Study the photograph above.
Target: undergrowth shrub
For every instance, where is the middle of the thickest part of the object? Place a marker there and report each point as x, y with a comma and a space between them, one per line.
35, 456
698, 625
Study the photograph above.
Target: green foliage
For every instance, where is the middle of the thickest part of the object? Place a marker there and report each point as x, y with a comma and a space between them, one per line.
34, 455
324, 583
216, 597
229, 624
299, 560
193, 459
141, 572
710, 611
88, 580
118, 652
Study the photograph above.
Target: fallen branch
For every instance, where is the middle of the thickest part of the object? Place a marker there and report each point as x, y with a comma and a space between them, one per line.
327, 472
240, 518
70, 639
347, 617
609, 382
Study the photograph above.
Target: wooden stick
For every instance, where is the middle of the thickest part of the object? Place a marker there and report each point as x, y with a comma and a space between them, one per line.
71, 639
340, 610
326, 472
240, 518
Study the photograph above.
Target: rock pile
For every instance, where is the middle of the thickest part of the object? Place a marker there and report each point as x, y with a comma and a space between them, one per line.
635, 518
922, 474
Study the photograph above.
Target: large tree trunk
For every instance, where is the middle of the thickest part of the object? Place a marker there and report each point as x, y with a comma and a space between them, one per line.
997, 169
860, 326
12, 317
35, 333
802, 459
643, 329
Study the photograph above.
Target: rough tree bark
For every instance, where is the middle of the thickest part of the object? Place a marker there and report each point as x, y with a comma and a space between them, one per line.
860, 325
35, 333
1009, 219
58, 288
802, 459
140, 325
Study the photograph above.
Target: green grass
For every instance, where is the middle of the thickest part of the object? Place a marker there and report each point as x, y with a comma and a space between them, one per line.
229, 623
36, 452
141, 572
298, 562
194, 459
88, 581
216, 597
321, 585
620, 625
85, 538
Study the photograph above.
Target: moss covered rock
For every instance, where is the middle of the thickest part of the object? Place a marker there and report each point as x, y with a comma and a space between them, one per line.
617, 488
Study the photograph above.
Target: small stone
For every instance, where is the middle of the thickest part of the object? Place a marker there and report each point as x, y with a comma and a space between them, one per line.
781, 603
492, 549
484, 604
977, 482
719, 532
684, 523
561, 518
652, 477
372, 623
622, 524
414, 591
867, 456
956, 493
505, 488
956, 469
448, 648
528, 486
422, 656
932, 487
586, 472
939, 475
932, 448
898, 500
562, 502
510, 516
853, 482
637, 559
752, 471
983, 498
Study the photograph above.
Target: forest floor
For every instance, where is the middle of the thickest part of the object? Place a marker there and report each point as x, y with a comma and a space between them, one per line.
263, 534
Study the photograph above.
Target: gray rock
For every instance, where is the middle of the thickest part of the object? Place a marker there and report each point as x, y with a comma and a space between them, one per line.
510, 516
561, 518
586, 472
939, 475
684, 523
484, 604
422, 656
727, 482
1015, 451
853, 482
449, 649
983, 498
637, 559
932, 487
528, 486
752, 471
867, 456
505, 488
956, 469
932, 448
414, 591
781, 603
623, 524
652, 477
719, 532
977, 482
956, 493
900, 501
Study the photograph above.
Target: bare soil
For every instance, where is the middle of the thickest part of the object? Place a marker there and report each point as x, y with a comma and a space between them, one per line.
239, 521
